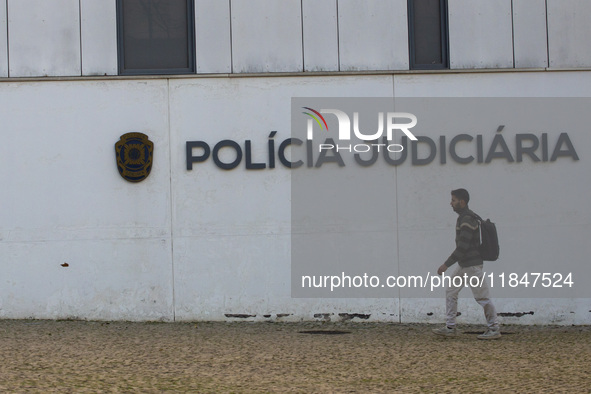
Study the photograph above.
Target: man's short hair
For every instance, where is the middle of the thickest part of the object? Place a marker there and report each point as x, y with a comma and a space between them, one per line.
461, 194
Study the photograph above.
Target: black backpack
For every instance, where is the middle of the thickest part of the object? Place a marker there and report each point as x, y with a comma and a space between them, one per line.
489, 241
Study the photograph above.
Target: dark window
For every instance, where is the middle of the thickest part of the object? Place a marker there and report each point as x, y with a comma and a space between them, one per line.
427, 32
156, 36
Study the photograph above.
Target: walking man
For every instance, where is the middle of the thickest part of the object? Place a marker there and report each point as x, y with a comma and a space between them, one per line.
469, 265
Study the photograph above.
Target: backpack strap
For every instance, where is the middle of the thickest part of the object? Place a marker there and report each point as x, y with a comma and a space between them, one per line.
474, 215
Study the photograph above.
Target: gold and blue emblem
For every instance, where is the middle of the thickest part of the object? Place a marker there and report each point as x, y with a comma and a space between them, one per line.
134, 153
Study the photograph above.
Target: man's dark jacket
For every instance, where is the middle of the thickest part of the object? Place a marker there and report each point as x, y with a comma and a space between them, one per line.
467, 241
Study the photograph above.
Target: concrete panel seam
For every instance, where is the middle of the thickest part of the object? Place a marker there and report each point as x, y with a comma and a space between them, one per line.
547, 35
338, 38
7, 43
80, 32
513, 32
171, 201
231, 39
302, 35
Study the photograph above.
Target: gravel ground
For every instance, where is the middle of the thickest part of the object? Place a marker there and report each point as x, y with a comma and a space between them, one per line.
79, 356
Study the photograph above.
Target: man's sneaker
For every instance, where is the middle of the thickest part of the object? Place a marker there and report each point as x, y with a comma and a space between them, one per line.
490, 334
445, 331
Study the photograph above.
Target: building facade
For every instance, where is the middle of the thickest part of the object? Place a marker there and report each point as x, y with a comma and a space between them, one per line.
77, 240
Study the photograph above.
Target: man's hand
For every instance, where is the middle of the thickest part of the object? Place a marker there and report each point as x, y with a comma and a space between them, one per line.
442, 269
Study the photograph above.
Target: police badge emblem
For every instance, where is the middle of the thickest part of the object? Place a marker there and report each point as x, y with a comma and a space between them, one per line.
134, 153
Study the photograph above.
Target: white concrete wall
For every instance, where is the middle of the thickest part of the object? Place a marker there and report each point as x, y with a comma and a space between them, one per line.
529, 33
213, 42
78, 37
99, 37
320, 38
232, 229
373, 35
568, 33
3, 40
207, 243
266, 36
44, 38
480, 34
65, 203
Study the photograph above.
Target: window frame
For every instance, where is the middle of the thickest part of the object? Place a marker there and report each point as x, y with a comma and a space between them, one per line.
443, 14
166, 71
